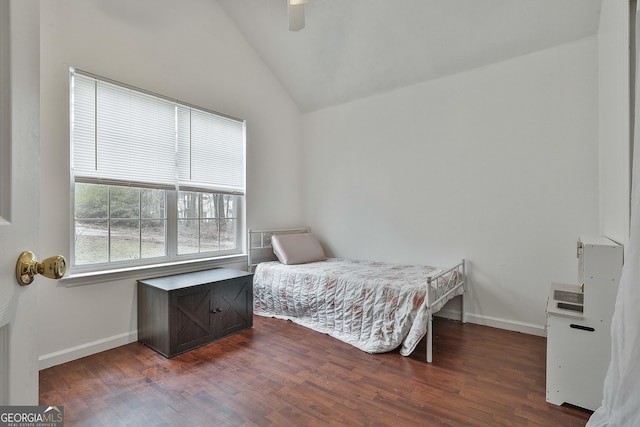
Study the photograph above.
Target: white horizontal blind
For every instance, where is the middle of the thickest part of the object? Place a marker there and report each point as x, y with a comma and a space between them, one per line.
133, 135
214, 163
83, 125
184, 142
124, 136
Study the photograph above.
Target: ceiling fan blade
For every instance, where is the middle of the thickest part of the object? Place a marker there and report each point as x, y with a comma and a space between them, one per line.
296, 16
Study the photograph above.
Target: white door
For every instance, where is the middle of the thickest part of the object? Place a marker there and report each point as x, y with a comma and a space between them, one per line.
19, 196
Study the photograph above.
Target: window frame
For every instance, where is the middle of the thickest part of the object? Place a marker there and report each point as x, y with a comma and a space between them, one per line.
172, 261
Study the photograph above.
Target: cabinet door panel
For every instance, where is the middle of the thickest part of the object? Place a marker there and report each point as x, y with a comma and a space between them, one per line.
192, 318
233, 306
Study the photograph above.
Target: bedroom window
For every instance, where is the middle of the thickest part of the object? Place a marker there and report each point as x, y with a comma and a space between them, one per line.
206, 222
154, 180
115, 223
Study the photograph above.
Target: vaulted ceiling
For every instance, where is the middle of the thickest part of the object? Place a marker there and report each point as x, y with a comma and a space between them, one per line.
352, 49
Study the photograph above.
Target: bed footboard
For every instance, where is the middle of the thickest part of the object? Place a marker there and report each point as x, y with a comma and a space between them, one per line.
442, 287
445, 283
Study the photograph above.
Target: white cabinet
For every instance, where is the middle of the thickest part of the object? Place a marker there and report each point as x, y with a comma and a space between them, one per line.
579, 326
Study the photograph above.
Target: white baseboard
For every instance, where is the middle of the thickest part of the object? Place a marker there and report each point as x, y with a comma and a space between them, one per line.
73, 353
494, 322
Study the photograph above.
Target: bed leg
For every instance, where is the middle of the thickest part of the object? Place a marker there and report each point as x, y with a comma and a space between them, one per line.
463, 313
430, 339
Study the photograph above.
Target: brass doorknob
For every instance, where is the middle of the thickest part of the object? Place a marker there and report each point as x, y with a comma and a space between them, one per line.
28, 266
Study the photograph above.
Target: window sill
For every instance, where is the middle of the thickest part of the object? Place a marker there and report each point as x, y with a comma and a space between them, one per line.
150, 271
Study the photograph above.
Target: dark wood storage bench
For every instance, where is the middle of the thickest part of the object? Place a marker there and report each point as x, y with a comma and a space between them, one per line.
184, 311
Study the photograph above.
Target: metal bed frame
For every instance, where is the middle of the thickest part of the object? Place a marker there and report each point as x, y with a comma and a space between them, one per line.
261, 250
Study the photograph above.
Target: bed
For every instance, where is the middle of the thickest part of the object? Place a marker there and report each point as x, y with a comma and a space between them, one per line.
374, 306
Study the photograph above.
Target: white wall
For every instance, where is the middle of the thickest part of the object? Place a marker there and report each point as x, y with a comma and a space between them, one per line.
498, 165
614, 119
192, 53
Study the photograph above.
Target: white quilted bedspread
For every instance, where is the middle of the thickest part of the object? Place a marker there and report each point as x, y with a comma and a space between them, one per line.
373, 306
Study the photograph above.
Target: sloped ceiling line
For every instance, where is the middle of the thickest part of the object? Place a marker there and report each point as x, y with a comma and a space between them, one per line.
351, 49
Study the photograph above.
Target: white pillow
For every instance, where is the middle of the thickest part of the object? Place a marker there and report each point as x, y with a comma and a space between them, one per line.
297, 248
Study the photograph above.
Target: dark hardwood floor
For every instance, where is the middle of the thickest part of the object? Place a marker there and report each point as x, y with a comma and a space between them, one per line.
281, 374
